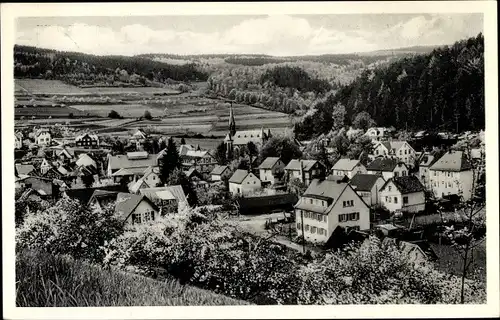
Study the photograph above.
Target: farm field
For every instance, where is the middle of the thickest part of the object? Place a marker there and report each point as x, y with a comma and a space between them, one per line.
46, 87
124, 90
125, 110
47, 111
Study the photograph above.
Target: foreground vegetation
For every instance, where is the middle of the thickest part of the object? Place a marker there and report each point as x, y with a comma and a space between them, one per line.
45, 280
201, 248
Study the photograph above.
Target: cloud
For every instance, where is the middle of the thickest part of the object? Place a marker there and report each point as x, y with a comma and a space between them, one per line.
276, 35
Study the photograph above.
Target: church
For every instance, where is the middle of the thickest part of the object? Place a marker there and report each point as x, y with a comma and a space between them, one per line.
234, 140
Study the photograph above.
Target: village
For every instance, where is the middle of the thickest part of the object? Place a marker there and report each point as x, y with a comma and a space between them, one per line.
308, 204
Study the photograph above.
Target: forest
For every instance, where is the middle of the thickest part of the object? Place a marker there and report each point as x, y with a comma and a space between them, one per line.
79, 68
442, 90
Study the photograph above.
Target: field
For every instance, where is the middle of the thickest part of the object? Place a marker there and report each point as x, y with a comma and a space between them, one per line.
44, 280
175, 113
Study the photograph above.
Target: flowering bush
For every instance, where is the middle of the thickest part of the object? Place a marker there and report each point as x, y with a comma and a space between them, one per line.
67, 227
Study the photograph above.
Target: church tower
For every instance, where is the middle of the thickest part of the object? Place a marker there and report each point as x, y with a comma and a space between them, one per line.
232, 123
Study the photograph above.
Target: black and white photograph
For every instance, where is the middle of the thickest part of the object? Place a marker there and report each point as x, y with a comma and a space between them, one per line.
250, 159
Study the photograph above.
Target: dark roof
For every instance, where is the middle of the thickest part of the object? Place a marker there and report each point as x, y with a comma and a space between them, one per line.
103, 194
405, 184
267, 201
332, 177
24, 168
269, 163
84, 194
364, 182
383, 164
219, 169
294, 164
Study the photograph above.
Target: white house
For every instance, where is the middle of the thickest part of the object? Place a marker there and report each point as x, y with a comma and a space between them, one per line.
387, 168
220, 172
139, 137
327, 204
45, 166
403, 194
168, 195
368, 186
452, 175
135, 209
84, 160
425, 162
400, 150
136, 162
270, 170
18, 144
243, 182
43, 137
348, 167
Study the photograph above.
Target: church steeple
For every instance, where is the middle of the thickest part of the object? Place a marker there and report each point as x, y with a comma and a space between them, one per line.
232, 123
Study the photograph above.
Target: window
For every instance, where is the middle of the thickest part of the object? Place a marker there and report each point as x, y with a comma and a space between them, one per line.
435, 173
311, 201
390, 188
401, 152
405, 200
254, 182
307, 227
354, 216
406, 151
299, 226
325, 218
313, 229
348, 203
395, 199
396, 174
136, 218
323, 203
386, 199
342, 217
390, 199
403, 173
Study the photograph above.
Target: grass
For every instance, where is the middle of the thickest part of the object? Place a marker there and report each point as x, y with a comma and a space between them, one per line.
41, 86
450, 262
45, 280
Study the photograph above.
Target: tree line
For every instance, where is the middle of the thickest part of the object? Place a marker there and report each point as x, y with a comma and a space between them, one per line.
442, 90
79, 68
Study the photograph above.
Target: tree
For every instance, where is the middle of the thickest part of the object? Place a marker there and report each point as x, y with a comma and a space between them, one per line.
338, 116
363, 121
147, 115
341, 144
252, 151
221, 153
170, 161
183, 141
178, 177
296, 186
114, 115
88, 180
282, 147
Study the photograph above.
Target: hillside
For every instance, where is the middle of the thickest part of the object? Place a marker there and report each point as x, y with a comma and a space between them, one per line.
442, 90
85, 69
44, 280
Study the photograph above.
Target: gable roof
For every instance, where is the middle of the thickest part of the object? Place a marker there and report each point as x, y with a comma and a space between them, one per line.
238, 176
127, 202
345, 164
102, 194
84, 194
364, 182
294, 164
135, 186
122, 161
383, 164
328, 190
405, 184
245, 136
269, 162
452, 161
219, 170
165, 193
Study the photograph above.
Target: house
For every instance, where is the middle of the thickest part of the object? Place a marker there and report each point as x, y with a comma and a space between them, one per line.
84, 160
63, 153
368, 186
168, 195
327, 204
399, 150
43, 137
420, 134
424, 163
203, 161
305, 170
417, 251
243, 182
44, 187
353, 133
45, 166
404, 194
85, 194
348, 167
18, 143
196, 178
138, 138
135, 209
387, 168
378, 134
271, 170
220, 173
452, 175
87, 140
136, 162
241, 138
151, 176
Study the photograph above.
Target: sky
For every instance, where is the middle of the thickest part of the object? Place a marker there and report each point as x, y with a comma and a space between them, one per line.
279, 35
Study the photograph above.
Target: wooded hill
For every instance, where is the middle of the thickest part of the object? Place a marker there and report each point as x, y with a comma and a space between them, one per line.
79, 68
442, 90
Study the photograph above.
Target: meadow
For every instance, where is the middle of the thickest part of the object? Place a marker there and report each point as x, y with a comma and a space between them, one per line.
46, 87
45, 280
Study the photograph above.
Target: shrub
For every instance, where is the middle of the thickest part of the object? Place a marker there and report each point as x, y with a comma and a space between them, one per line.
114, 115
